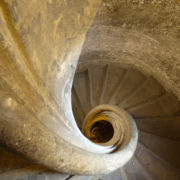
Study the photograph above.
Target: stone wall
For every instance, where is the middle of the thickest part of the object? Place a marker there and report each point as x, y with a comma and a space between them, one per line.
141, 33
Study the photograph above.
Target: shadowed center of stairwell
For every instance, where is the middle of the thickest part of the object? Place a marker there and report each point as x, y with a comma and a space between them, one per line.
101, 131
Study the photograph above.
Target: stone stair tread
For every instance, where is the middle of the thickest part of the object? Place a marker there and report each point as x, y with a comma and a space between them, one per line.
135, 171
131, 81
78, 110
97, 74
81, 88
166, 149
114, 76
165, 105
149, 89
115, 175
168, 127
155, 165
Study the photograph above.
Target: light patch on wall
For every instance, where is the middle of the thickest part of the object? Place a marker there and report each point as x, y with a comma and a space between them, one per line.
50, 1
9, 102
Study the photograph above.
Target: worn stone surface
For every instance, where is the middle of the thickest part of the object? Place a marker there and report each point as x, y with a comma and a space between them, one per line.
40, 46
144, 34
40, 42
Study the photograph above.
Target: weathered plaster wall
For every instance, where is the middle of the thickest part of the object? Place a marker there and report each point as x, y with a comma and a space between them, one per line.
40, 45
140, 33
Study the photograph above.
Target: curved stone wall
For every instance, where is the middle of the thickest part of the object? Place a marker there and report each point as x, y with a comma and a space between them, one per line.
144, 34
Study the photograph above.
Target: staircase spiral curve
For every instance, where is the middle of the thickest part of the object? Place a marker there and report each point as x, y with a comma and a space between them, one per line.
96, 105
156, 113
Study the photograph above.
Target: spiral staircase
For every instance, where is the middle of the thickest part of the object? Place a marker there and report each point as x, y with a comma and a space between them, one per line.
89, 90
156, 113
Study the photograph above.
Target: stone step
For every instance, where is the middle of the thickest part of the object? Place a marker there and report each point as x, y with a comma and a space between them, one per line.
166, 149
159, 169
168, 127
166, 105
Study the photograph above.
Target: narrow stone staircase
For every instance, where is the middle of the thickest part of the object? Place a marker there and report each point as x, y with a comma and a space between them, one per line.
156, 113
41, 42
